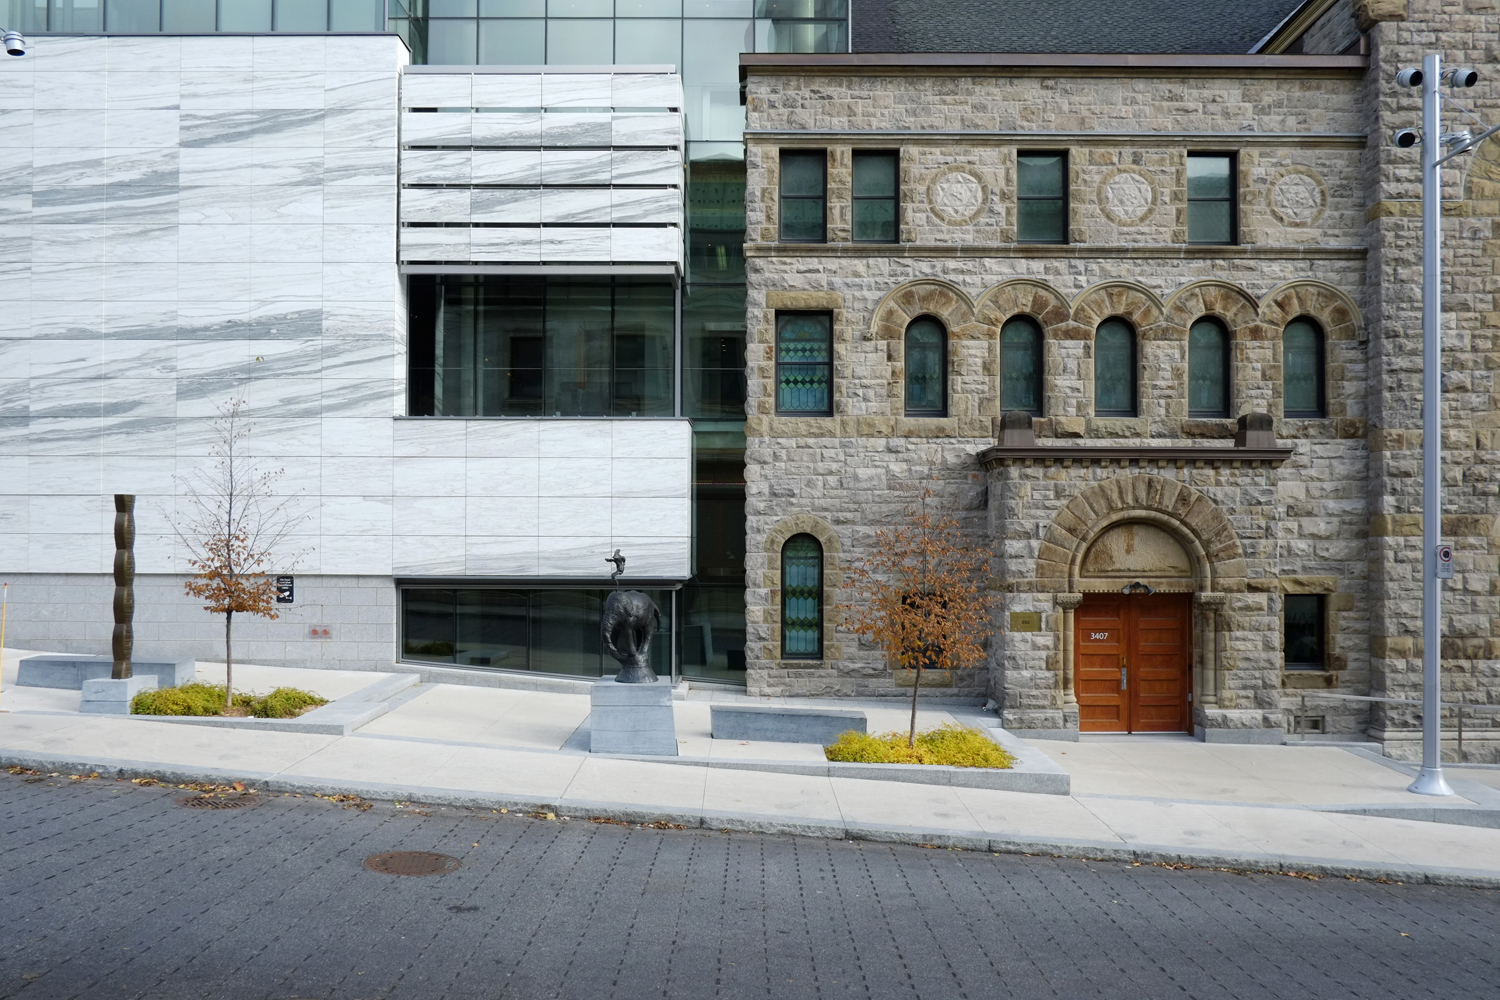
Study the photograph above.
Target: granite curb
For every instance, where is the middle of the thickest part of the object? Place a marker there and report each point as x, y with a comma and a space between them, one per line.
773, 824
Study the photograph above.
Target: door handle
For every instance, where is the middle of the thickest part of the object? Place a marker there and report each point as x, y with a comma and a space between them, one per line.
1124, 683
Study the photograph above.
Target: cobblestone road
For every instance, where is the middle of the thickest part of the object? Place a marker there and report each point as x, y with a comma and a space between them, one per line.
109, 889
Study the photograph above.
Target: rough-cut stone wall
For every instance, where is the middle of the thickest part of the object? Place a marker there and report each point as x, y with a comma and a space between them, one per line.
1465, 33
1334, 32
1302, 525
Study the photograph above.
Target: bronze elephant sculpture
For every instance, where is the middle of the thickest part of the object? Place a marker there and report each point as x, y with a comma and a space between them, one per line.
629, 621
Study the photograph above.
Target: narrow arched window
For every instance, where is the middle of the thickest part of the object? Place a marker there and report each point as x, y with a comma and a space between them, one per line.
926, 369
802, 598
1021, 366
1208, 369
1302, 369
1114, 369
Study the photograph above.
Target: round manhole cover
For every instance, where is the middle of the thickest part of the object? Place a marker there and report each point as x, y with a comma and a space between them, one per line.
411, 863
239, 800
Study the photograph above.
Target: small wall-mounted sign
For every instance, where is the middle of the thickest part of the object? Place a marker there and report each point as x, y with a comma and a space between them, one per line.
1025, 621
1445, 562
285, 589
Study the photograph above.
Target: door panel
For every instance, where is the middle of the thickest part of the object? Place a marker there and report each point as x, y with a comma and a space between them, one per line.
1147, 634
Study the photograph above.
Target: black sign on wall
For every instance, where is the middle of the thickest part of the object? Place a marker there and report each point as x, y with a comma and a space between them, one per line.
284, 589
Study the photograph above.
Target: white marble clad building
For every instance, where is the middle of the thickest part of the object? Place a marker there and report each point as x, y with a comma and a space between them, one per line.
192, 219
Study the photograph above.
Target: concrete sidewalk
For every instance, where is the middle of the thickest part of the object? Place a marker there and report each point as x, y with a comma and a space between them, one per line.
1262, 807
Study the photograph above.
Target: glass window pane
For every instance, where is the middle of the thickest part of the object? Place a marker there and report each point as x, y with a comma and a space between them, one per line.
713, 629
926, 368
188, 15
713, 332
1302, 369
808, 36
513, 43
1209, 222
1208, 177
565, 633
645, 42
31, 15
580, 42
1208, 354
716, 219
1303, 631
1040, 175
801, 8
1041, 221
711, 50
356, 15
132, 15
641, 362
875, 175
451, 8
1021, 366
244, 15
301, 15
512, 8
802, 173
874, 220
1114, 370
801, 598
452, 42
580, 8
67, 15
648, 8
492, 629
804, 354
428, 625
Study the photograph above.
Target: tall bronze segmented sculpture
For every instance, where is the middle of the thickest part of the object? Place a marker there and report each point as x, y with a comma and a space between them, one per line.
122, 641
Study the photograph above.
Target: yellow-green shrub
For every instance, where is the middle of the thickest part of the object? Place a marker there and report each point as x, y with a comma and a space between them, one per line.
208, 699
951, 744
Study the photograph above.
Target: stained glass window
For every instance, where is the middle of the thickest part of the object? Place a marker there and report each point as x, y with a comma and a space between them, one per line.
926, 370
804, 363
1208, 369
1114, 369
1021, 366
802, 598
1302, 369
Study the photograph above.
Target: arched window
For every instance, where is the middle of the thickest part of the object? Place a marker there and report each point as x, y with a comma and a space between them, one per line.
926, 369
1021, 366
1114, 369
1302, 369
802, 598
1208, 369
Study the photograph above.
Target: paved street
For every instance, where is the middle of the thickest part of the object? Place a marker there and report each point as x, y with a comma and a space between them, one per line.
109, 889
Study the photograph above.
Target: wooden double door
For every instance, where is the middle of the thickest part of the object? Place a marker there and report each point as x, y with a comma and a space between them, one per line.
1132, 663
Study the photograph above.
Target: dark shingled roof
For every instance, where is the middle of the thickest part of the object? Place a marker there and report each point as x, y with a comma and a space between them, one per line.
1064, 25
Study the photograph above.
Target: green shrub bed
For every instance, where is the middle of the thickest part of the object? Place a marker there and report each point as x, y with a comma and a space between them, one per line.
208, 699
951, 745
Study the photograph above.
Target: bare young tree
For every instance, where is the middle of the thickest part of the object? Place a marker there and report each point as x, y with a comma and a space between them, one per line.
234, 526
920, 596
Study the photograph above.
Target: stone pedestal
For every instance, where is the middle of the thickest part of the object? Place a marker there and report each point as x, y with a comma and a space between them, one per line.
632, 718
105, 696
73, 670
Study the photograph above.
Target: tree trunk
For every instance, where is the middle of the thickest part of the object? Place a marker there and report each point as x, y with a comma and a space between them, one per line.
911, 737
229, 664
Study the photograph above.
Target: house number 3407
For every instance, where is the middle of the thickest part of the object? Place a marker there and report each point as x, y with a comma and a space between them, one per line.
1098, 635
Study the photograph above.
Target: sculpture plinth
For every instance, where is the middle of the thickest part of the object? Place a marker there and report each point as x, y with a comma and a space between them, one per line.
631, 712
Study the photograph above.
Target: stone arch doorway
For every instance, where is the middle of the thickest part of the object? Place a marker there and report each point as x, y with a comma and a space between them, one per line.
1157, 558
1133, 640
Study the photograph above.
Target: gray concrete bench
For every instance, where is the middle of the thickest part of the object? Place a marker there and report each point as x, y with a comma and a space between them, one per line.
783, 724
70, 670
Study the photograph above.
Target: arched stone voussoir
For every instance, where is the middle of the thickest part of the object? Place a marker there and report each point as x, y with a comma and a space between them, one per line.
1134, 303
1212, 297
1023, 297
933, 297
1332, 307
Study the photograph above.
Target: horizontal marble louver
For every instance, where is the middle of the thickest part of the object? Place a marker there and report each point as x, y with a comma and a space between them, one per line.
541, 167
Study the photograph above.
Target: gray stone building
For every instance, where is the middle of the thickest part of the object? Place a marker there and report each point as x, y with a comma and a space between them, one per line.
1150, 327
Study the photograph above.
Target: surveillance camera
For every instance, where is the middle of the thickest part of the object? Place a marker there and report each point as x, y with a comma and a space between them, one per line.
15, 43
1408, 137
1463, 77
1409, 78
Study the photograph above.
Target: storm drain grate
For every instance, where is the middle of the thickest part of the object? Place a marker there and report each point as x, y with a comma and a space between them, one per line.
240, 800
411, 863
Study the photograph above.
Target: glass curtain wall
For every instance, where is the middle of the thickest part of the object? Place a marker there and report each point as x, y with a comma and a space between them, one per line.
193, 16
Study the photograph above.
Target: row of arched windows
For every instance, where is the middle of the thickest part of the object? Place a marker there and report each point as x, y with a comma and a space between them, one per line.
1115, 368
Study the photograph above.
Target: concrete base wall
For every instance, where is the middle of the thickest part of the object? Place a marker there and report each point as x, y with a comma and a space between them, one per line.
71, 613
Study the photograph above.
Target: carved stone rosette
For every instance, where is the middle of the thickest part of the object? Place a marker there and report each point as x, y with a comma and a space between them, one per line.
123, 641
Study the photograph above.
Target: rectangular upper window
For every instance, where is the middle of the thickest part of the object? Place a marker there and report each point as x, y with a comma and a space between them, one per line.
876, 197
1211, 198
1042, 197
804, 195
1303, 631
804, 364
496, 346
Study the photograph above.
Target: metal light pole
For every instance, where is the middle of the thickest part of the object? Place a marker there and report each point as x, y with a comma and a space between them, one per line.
1437, 559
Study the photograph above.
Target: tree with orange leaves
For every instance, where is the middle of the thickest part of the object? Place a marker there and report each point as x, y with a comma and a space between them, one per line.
232, 528
920, 596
